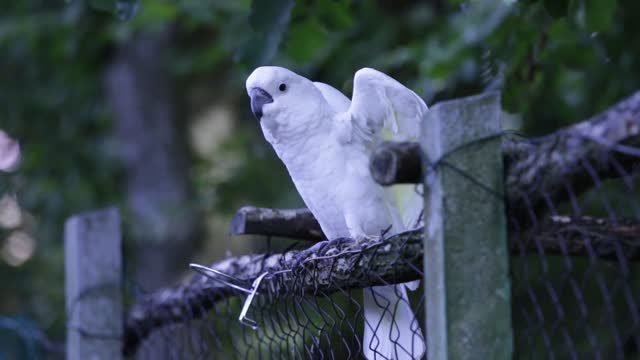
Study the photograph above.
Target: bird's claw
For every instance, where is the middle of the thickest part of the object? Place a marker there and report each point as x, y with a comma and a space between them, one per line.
305, 254
322, 248
372, 239
334, 247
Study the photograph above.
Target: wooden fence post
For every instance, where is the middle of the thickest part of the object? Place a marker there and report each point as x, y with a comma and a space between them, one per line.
466, 260
93, 266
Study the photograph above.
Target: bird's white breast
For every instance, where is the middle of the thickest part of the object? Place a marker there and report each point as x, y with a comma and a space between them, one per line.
318, 175
333, 180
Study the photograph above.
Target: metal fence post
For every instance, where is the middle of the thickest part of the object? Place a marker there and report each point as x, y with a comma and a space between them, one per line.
93, 266
466, 259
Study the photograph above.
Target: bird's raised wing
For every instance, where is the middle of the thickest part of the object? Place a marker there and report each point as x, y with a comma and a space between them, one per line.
381, 103
384, 109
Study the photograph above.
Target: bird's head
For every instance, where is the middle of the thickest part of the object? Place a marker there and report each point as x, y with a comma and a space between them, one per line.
282, 99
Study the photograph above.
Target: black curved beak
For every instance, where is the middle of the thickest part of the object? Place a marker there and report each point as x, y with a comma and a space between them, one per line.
259, 98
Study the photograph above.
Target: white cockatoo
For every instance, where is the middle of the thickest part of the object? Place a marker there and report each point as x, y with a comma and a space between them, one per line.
325, 141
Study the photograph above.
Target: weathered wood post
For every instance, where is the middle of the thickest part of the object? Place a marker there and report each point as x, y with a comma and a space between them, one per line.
93, 266
466, 259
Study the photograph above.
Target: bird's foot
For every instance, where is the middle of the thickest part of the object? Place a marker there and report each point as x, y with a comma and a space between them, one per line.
372, 239
321, 249
366, 239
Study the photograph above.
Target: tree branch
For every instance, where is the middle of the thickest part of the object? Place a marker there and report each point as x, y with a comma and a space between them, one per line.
396, 163
292, 223
582, 236
577, 157
605, 146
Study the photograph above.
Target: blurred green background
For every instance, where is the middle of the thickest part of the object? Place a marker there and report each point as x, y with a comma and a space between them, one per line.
141, 104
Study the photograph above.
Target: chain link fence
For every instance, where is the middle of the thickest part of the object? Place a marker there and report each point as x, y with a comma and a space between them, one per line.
302, 308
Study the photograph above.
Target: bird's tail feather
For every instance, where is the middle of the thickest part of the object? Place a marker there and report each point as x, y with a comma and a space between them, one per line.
410, 203
391, 330
412, 213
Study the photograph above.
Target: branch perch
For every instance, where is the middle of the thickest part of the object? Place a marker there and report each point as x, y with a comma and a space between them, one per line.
291, 223
581, 236
344, 265
396, 163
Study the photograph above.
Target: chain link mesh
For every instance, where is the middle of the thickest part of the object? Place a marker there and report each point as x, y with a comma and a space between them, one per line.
575, 286
579, 307
299, 314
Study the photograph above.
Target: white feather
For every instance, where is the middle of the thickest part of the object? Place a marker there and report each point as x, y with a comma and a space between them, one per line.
334, 97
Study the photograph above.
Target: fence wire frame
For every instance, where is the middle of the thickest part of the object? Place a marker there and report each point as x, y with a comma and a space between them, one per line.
564, 306
568, 307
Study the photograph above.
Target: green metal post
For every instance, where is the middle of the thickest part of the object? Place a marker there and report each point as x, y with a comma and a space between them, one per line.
466, 260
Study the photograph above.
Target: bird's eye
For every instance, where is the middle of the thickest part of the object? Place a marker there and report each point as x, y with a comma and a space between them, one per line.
282, 87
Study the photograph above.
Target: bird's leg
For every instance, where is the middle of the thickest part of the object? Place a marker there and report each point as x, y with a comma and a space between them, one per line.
385, 231
337, 246
372, 239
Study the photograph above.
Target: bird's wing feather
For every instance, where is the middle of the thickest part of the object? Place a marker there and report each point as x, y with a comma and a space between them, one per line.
384, 109
381, 103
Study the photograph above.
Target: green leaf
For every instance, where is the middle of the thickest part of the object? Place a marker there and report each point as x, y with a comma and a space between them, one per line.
157, 12
599, 14
270, 16
269, 20
306, 40
334, 13
104, 5
122, 9
557, 8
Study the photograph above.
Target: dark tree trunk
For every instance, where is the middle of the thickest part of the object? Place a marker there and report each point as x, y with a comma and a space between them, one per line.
164, 224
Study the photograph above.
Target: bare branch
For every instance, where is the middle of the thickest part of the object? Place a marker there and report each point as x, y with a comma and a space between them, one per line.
396, 163
292, 223
582, 236
605, 146
543, 167
392, 161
